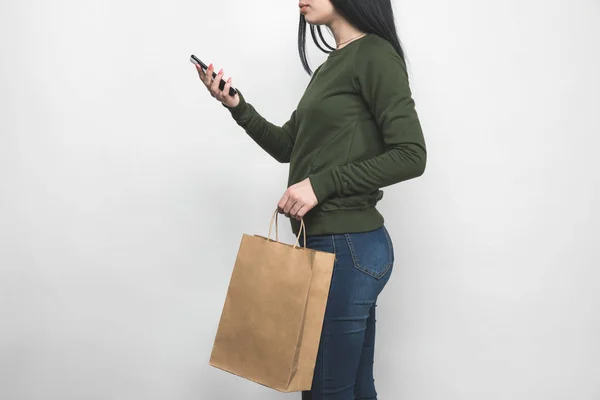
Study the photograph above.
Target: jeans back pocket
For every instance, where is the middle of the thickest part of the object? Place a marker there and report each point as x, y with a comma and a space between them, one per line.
372, 252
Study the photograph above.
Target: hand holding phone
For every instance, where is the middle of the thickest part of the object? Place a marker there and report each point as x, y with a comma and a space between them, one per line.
222, 83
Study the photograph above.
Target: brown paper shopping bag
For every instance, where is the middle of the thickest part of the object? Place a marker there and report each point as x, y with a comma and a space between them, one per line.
271, 322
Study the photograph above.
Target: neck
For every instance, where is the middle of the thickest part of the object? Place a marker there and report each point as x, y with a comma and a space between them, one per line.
343, 32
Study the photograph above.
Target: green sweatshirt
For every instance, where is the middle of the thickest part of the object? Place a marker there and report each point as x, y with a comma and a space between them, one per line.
354, 131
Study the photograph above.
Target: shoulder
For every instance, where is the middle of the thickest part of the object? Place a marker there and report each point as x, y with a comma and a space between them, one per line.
375, 45
376, 55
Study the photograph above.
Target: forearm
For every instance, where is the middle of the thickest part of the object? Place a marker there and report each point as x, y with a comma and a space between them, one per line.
278, 141
398, 164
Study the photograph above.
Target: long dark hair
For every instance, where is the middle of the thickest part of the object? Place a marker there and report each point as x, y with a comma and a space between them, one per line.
373, 16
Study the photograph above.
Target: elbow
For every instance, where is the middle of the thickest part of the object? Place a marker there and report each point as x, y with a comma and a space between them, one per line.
417, 169
285, 156
421, 164
413, 161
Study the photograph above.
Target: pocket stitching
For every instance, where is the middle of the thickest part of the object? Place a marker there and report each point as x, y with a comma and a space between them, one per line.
367, 271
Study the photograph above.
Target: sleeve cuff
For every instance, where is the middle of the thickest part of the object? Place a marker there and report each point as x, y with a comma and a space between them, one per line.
323, 184
238, 111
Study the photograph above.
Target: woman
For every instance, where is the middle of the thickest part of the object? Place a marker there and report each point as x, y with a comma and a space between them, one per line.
354, 131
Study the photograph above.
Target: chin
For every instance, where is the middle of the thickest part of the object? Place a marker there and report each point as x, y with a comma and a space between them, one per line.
313, 20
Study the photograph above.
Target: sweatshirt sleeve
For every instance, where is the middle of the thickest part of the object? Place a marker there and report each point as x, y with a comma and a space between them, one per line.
380, 76
278, 141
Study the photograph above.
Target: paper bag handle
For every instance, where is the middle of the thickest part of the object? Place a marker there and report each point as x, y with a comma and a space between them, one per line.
275, 218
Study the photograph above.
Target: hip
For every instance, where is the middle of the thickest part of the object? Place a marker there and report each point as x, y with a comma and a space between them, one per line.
370, 252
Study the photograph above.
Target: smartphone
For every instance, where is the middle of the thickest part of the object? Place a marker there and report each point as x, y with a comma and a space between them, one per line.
196, 60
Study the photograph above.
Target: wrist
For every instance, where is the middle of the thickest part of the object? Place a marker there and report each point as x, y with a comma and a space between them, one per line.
323, 184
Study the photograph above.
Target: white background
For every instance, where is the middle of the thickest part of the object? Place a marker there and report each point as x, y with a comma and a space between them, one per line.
125, 189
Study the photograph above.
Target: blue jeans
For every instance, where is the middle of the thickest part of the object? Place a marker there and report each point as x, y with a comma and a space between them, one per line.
363, 265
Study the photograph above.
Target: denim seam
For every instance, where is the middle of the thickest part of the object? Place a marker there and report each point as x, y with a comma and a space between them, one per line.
326, 335
323, 358
389, 240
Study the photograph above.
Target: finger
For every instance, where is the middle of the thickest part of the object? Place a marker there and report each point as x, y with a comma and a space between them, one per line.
287, 213
294, 210
214, 87
208, 75
225, 94
285, 210
288, 206
302, 212
282, 202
